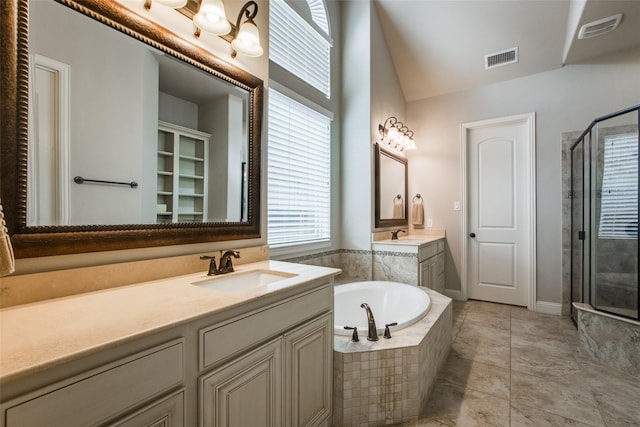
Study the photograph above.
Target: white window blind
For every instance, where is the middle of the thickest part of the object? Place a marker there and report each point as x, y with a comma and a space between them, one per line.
298, 47
298, 173
619, 202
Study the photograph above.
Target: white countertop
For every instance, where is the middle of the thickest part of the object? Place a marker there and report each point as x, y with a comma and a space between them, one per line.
40, 335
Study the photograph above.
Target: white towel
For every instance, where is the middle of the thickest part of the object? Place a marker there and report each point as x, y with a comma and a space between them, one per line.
398, 211
7, 260
417, 213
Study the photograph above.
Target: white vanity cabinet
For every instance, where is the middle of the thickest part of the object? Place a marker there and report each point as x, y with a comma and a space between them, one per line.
431, 266
285, 381
263, 360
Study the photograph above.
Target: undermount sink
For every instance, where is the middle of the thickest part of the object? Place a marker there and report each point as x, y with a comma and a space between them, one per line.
244, 280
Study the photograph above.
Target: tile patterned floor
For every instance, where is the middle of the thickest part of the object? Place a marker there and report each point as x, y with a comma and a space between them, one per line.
512, 367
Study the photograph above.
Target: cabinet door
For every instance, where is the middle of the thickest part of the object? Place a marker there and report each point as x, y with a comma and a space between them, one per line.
309, 373
425, 274
433, 274
245, 392
429, 274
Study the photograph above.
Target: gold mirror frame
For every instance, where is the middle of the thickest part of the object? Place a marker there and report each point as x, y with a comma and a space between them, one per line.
14, 87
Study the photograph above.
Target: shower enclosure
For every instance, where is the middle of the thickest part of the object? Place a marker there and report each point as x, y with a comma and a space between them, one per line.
604, 215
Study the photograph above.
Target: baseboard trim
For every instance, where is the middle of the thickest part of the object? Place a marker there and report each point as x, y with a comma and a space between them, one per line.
454, 294
549, 307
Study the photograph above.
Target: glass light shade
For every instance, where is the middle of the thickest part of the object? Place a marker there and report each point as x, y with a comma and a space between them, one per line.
176, 4
212, 18
410, 145
247, 42
392, 133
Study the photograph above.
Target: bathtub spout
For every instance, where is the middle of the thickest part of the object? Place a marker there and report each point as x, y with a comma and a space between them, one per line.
373, 331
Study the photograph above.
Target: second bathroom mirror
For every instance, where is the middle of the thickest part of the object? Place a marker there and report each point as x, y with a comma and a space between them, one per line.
390, 172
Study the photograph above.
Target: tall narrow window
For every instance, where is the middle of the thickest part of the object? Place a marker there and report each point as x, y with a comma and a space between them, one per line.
299, 175
619, 202
299, 126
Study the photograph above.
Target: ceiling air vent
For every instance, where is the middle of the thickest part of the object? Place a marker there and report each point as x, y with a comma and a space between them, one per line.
505, 57
599, 27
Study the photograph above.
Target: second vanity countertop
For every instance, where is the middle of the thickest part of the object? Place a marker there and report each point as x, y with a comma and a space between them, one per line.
410, 243
40, 335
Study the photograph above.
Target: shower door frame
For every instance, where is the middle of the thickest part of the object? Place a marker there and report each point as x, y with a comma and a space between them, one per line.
588, 213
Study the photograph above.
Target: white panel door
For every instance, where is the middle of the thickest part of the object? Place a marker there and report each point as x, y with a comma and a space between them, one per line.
499, 178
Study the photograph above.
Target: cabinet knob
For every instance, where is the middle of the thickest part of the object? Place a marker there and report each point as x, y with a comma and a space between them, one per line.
472, 235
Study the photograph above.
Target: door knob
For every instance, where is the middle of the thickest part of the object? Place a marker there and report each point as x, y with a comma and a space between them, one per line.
472, 235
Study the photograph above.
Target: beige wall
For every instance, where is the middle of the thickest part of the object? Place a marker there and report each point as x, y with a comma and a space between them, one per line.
371, 93
356, 121
566, 99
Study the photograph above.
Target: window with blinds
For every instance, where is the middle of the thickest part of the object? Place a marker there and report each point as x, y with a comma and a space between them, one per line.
299, 48
619, 201
298, 173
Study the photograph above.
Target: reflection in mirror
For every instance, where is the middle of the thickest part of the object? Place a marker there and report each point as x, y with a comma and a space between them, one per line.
106, 107
390, 189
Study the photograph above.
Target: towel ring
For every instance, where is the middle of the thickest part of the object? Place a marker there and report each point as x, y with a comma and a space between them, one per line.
398, 197
417, 196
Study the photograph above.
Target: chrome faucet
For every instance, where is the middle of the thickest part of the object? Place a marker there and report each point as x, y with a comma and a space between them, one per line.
213, 270
226, 266
373, 331
394, 234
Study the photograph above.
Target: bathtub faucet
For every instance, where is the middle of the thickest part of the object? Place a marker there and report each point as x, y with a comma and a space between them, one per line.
373, 331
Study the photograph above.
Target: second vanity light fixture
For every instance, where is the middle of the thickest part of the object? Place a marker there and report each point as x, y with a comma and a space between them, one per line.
211, 17
397, 135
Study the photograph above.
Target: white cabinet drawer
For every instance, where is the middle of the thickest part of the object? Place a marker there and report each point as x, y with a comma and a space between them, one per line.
221, 341
103, 393
428, 251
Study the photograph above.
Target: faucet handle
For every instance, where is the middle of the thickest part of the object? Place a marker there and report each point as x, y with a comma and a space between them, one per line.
354, 337
387, 332
212, 264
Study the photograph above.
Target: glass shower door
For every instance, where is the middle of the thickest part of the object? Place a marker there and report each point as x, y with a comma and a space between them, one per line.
614, 215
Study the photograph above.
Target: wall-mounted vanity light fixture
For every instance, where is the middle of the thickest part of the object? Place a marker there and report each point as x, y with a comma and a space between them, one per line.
210, 16
397, 135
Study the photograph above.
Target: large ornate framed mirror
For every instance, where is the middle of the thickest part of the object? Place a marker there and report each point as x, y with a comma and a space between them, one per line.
196, 180
391, 178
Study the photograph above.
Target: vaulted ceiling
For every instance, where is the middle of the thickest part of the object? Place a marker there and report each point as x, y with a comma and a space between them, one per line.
439, 46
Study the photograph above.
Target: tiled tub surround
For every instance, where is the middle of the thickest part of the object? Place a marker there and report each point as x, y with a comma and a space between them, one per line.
395, 266
390, 381
355, 264
611, 340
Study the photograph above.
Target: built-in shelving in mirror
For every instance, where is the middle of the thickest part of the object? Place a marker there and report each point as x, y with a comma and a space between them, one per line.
95, 96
